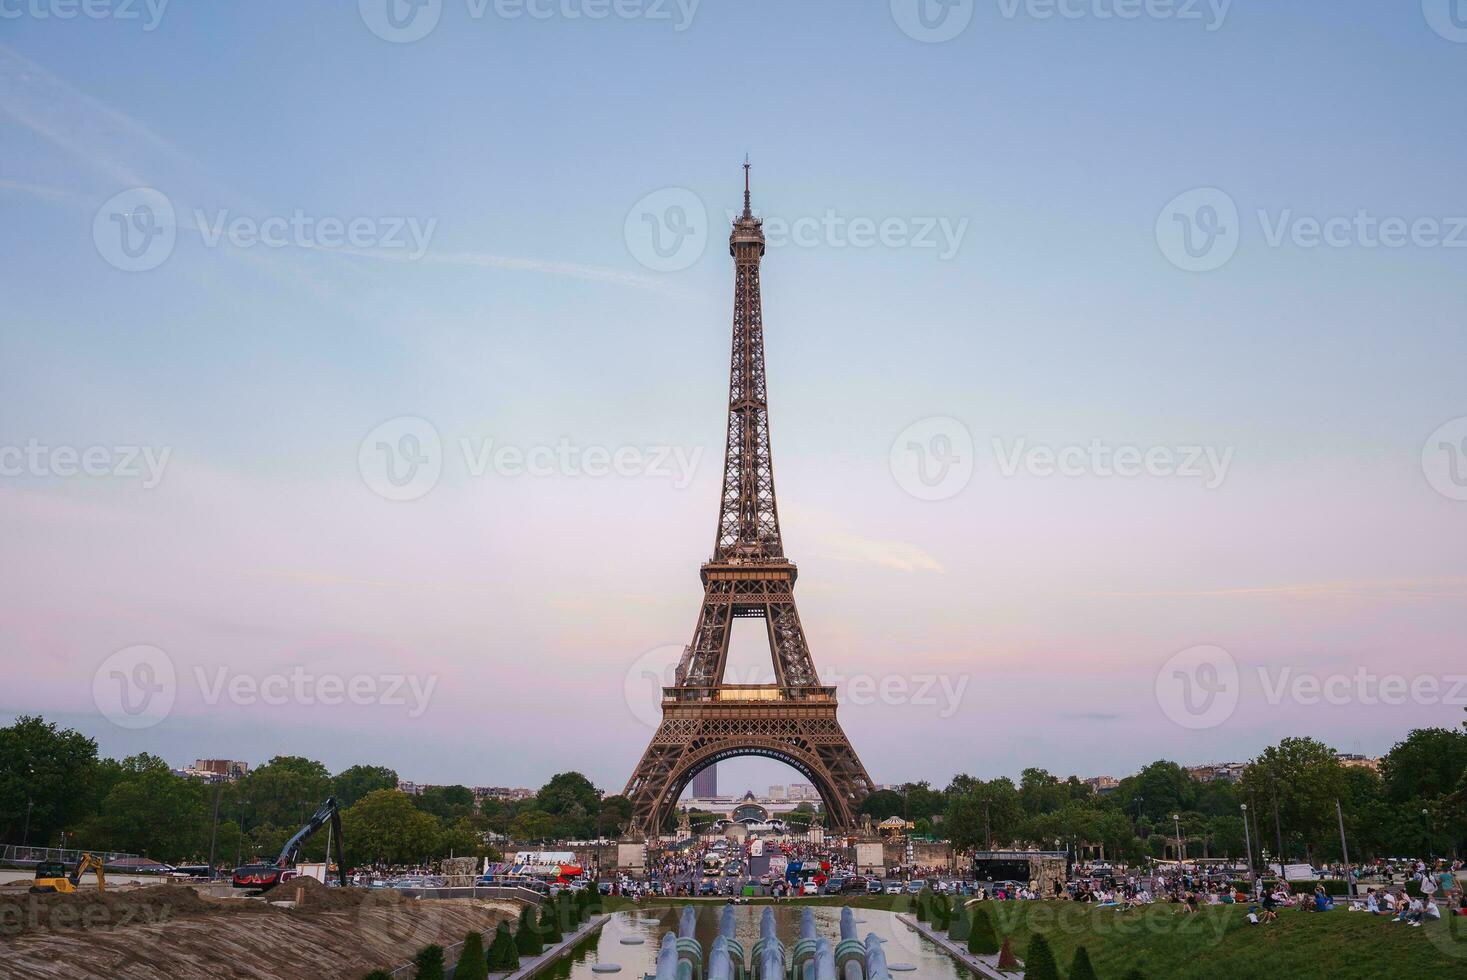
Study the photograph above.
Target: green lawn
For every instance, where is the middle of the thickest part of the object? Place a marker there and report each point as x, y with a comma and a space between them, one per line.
1216, 942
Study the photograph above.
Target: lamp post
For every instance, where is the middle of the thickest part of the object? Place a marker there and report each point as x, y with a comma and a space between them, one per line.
239, 841
1426, 830
1177, 825
25, 837
1248, 846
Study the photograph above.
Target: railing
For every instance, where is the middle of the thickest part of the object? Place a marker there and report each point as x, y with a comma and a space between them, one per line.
24, 854
746, 693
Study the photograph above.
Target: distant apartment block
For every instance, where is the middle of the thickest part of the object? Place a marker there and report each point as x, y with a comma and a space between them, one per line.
216, 770
1218, 772
1356, 761
1101, 784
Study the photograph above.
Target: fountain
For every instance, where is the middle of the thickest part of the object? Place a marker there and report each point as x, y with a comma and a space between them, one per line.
813, 957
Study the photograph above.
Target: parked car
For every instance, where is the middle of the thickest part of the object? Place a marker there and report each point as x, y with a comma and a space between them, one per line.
873, 886
915, 886
892, 888
810, 888
854, 885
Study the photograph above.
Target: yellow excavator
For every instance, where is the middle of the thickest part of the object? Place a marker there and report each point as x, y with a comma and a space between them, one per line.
52, 876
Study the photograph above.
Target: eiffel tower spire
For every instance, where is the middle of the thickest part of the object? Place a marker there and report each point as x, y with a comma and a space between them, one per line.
705, 719
748, 520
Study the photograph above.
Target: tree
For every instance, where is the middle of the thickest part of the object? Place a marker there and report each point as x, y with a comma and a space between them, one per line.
385, 826
573, 798
463, 839
982, 940
987, 814
471, 962
1039, 961
152, 812
46, 776
615, 816
882, 804
1428, 763
1041, 792
503, 954
447, 803
527, 936
429, 963
922, 801
1302, 778
284, 791
355, 782
1080, 968
1156, 792
534, 825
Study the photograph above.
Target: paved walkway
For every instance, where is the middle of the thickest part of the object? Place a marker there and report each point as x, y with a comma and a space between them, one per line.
985, 966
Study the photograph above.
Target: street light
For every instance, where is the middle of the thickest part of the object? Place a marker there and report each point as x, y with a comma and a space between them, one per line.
1248, 846
1177, 824
1426, 829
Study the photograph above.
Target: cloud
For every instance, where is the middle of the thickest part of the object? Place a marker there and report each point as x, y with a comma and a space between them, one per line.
1445, 588
899, 555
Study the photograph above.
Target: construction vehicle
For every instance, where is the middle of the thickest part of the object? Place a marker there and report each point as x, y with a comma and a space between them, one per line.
262, 876
52, 876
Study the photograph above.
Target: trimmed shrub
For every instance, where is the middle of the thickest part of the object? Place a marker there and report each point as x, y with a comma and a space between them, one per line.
982, 940
527, 937
429, 963
1007, 961
549, 924
924, 905
471, 964
1080, 968
503, 954
1039, 961
960, 925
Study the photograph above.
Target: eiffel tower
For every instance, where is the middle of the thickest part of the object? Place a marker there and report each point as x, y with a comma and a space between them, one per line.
704, 720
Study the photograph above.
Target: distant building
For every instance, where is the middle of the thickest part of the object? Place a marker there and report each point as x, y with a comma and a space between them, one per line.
1356, 761
779, 793
411, 789
1218, 772
803, 791
482, 793
1101, 784
216, 770
705, 784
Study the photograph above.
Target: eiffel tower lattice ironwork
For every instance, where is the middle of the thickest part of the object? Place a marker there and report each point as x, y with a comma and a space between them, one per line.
704, 720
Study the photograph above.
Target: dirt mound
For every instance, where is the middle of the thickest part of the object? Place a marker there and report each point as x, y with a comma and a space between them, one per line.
312, 896
89, 909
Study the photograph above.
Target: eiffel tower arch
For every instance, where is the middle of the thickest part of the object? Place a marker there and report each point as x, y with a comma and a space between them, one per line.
704, 720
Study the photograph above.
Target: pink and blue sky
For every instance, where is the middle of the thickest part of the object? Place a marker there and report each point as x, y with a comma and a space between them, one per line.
534, 602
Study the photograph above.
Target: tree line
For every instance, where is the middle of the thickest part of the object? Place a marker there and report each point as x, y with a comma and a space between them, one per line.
55, 790
1416, 806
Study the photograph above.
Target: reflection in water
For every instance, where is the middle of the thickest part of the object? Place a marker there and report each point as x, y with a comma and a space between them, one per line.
902, 944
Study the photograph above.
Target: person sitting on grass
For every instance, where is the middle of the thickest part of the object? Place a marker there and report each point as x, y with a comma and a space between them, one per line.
1322, 901
1372, 904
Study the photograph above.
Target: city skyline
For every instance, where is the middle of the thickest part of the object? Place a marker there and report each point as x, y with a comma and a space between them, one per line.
1304, 524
